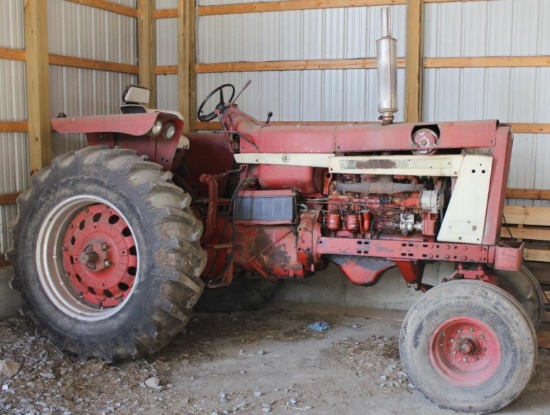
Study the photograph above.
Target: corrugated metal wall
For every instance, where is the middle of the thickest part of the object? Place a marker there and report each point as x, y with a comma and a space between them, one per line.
493, 28
87, 32
312, 95
167, 54
14, 158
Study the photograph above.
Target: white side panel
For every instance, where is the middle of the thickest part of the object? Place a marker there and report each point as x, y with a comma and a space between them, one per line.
464, 220
401, 165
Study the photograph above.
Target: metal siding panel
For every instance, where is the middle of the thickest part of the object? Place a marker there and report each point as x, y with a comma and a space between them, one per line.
166, 4
167, 41
294, 35
167, 99
87, 32
12, 24
14, 177
13, 99
330, 95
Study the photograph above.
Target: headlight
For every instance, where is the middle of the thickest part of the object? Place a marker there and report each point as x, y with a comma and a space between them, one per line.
157, 127
170, 131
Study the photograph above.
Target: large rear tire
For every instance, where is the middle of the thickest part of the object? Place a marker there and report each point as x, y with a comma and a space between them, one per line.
468, 346
244, 294
106, 254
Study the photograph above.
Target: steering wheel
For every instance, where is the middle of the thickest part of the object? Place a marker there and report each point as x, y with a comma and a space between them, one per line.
220, 106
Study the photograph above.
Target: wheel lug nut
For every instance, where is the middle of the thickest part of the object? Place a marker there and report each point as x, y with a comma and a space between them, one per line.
107, 263
452, 340
104, 247
459, 331
464, 359
471, 329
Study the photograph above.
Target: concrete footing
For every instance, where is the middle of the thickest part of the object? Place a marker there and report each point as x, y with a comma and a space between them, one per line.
333, 287
10, 300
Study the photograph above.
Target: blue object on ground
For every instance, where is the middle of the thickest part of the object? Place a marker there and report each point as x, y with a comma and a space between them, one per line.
319, 326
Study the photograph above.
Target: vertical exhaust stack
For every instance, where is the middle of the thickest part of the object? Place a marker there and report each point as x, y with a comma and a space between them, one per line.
386, 52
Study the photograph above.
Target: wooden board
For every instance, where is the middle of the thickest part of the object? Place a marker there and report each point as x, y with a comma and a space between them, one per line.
413, 62
544, 339
534, 253
533, 194
522, 215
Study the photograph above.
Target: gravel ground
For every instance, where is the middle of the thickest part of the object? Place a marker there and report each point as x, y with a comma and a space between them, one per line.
266, 361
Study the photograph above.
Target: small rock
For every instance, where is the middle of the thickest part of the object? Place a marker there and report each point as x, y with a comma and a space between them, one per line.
222, 395
383, 377
292, 402
242, 372
355, 325
9, 368
266, 409
153, 382
261, 353
47, 375
257, 394
5, 388
213, 413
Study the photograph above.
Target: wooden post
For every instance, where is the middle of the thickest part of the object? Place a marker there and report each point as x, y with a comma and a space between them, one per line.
413, 62
38, 84
147, 48
187, 77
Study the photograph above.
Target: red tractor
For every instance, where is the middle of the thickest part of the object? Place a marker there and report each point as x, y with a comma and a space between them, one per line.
111, 257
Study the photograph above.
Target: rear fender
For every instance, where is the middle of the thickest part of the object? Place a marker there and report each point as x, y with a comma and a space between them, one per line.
132, 131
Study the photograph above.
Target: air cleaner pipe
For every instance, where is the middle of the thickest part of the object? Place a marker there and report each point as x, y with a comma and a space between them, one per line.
386, 52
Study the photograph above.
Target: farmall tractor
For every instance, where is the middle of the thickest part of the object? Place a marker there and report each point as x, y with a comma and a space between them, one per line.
115, 242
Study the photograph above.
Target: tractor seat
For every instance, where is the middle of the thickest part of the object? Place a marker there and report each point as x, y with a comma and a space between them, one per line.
134, 99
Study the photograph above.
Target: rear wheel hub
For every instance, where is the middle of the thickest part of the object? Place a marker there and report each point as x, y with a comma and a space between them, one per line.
99, 256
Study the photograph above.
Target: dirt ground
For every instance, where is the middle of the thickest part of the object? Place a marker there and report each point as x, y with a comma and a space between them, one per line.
257, 362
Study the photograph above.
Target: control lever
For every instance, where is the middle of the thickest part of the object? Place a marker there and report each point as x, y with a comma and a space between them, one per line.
269, 115
242, 90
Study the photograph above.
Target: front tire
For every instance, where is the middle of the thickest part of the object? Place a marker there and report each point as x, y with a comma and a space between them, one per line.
468, 346
106, 254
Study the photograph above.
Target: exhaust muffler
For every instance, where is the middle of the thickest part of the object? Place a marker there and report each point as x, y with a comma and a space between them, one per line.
386, 53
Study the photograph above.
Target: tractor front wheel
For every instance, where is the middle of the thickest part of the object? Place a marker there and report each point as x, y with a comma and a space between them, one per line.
106, 254
468, 346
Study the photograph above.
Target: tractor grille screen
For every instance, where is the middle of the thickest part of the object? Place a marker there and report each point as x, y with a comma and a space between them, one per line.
265, 206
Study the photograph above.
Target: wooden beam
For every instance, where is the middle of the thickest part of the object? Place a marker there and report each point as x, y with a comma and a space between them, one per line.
14, 127
533, 194
166, 13
108, 6
524, 215
279, 6
413, 62
544, 339
298, 65
38, 83
75, 62
536, 234
147, 48
13, 54
8, 198
488, 62
187, 79
526, 128
166, 70
536, 253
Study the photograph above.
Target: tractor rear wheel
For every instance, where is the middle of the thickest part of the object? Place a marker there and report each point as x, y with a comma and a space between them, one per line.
525, 288
106, 254
468, 346
243, 294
